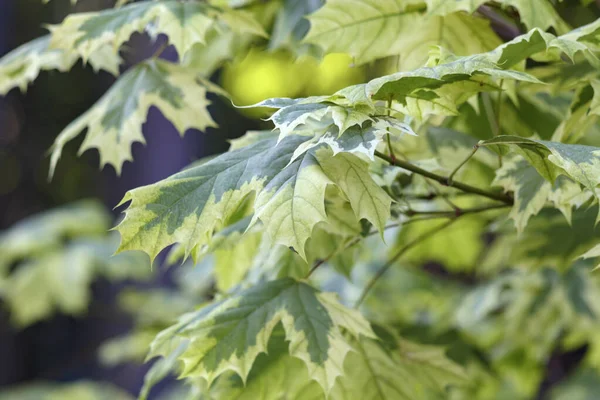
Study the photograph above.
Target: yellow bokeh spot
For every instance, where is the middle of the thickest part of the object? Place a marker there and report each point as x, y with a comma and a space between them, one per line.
335, 72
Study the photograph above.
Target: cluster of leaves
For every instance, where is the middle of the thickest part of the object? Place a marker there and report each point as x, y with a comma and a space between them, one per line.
48, 261
69, 391
510, 126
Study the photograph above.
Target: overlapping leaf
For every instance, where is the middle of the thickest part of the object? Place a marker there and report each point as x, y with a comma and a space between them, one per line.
22, 65
185, 23
372, 29
229, 335
115, 122
187, 207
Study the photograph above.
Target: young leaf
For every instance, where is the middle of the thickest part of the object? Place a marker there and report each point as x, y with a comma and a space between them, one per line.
229, 335
22, 65
115, 122
185, 23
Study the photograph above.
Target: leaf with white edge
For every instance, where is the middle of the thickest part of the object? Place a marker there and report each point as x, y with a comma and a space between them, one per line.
115, 122
396, 369
357, 139
533, 13
532, 191
22, 65
185, 23
551, 159
275, 375
230, 334
449, 70
187, 207
546, 46
373, 29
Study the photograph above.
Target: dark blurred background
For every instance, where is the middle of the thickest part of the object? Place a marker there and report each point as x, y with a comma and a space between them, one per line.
65, 348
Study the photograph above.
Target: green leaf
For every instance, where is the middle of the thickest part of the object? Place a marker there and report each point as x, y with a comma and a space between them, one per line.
229, 335
184, 23
373, 29
22, 65
532, 191
115, 122
533, 13
187, 207
551, 159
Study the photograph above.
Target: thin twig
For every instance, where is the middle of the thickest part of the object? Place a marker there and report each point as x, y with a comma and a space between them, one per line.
450, 214
348, 245
396, 256
444, 180
451, 176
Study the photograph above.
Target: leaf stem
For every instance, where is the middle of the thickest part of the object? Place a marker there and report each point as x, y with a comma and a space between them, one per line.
389, 136
444, 180
160, 49
395, 257
451, 176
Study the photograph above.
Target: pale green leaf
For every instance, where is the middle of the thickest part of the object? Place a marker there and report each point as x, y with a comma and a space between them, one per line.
229, 335
185, 23
533, 13
372, 29
115, 122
